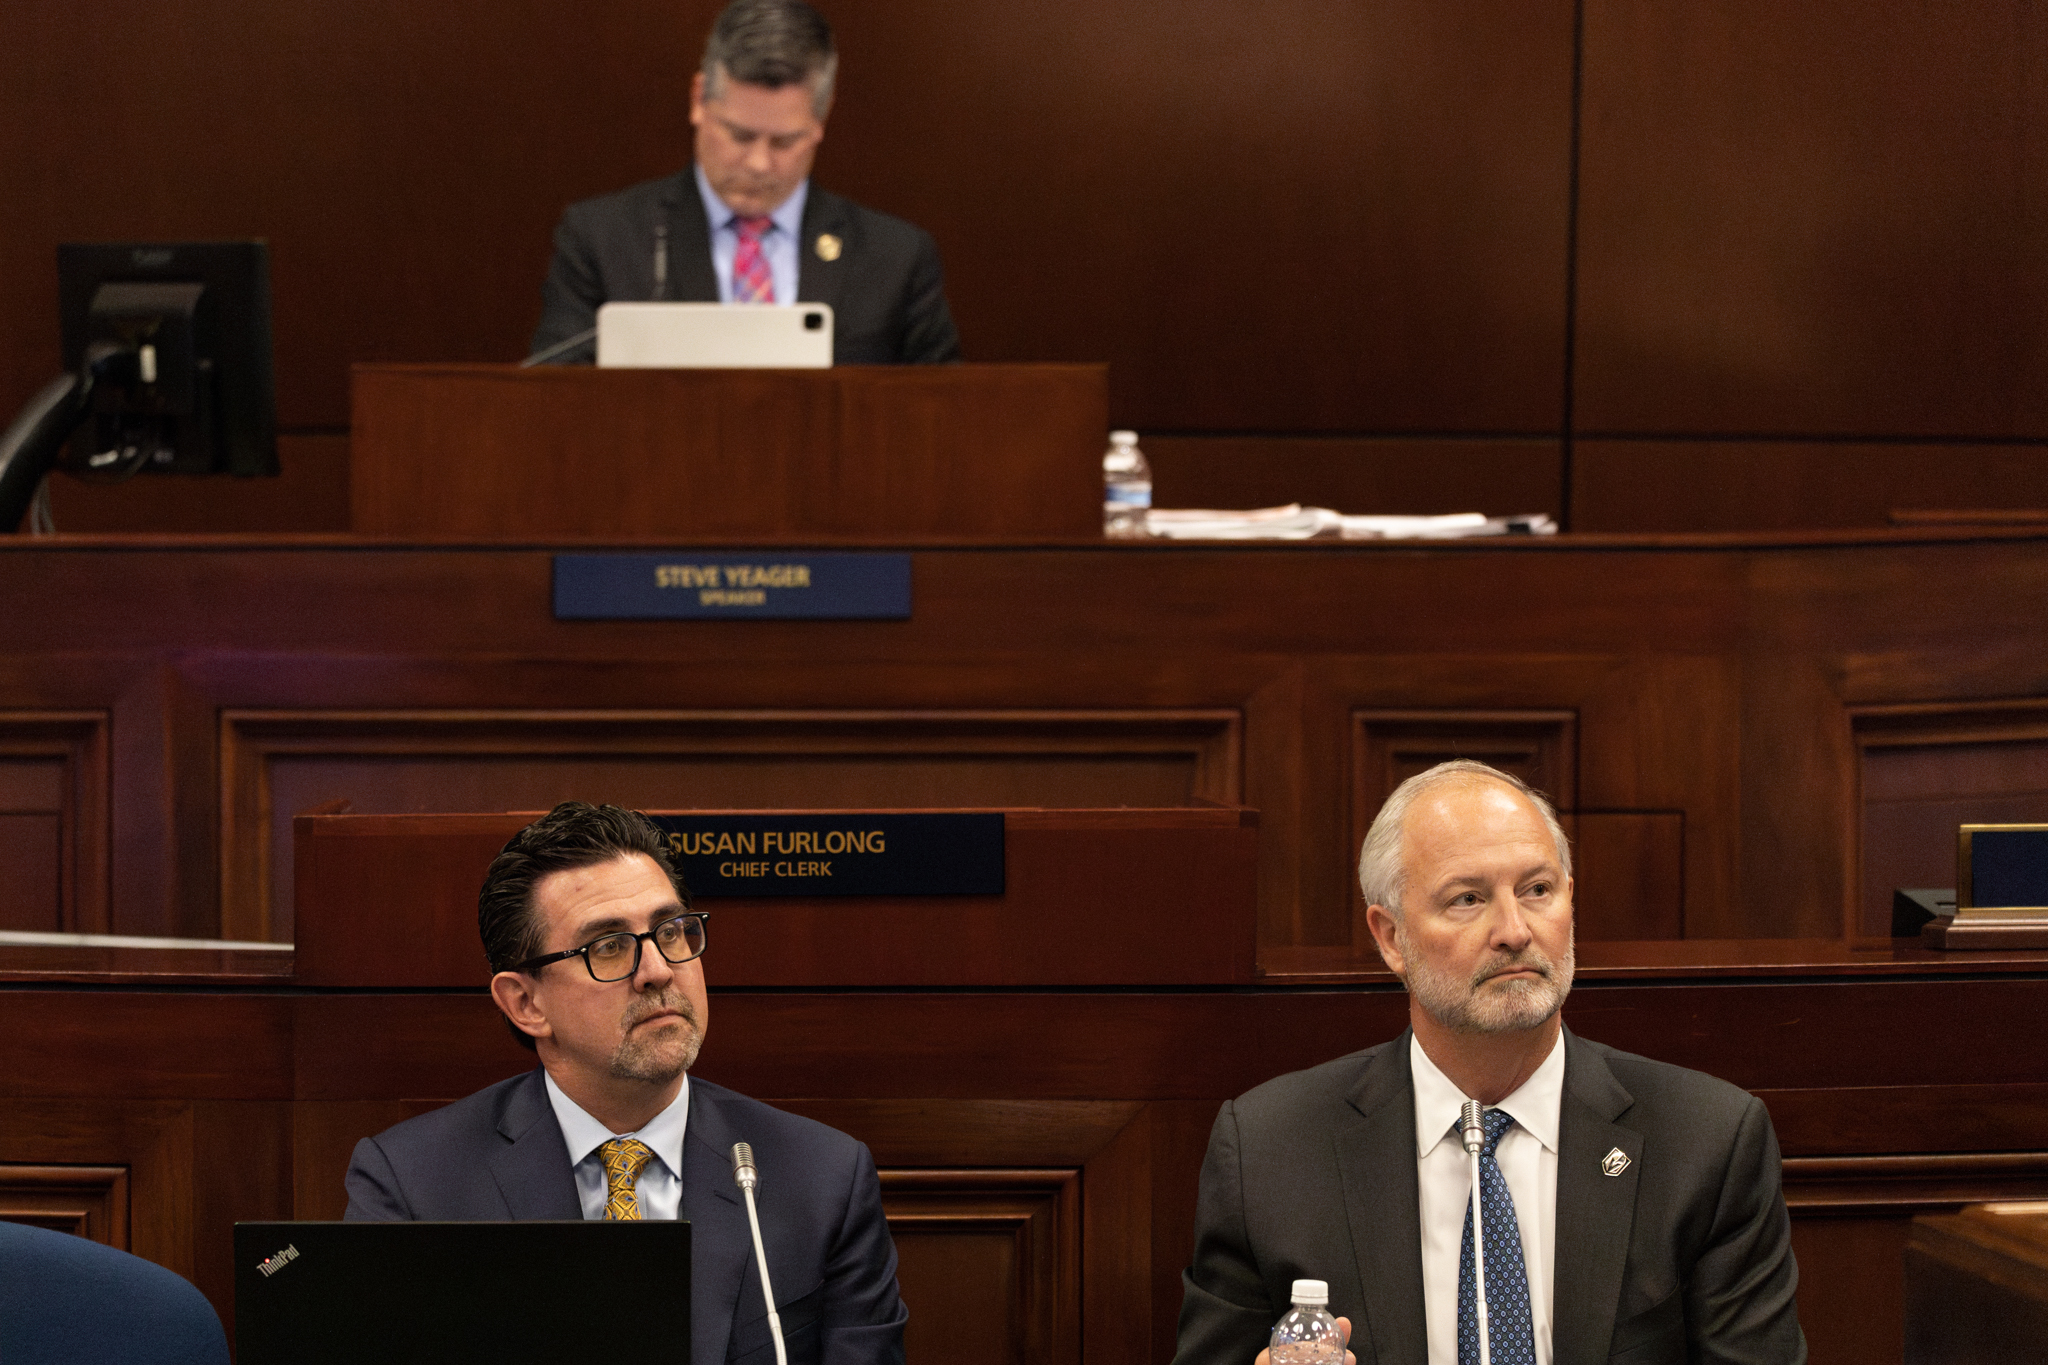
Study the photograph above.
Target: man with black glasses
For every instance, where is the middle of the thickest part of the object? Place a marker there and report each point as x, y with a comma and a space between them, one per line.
597, 961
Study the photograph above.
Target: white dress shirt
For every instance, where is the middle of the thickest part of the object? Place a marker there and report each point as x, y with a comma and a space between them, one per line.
1528, 1159
782, 244
660, 1186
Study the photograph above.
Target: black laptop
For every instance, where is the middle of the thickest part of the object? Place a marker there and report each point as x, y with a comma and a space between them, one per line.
361, 1293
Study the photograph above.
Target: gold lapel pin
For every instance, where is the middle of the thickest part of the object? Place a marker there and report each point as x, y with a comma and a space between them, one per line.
1614, 1163
829, 247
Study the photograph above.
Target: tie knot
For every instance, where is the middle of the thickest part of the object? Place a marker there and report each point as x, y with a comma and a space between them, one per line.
753, 229
1496, 1122
623, 1157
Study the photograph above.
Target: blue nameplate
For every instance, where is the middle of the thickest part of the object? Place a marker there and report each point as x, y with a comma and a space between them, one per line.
886, 854
2004, 867
768, 584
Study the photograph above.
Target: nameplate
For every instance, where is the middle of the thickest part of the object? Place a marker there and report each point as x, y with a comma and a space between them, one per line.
766, 585
2003, 871
885, 854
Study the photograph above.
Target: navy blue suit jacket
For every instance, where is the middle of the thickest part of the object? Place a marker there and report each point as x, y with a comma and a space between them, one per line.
499, 1154
884, 285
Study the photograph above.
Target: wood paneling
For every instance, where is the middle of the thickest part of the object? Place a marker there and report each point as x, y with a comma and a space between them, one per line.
1977, 1286
568, 451
1123, 897
1926, 770
1851, 1220
1734, 485
89, 1201
275, 765
311, 494
54, 821
990, 1263
1812, 221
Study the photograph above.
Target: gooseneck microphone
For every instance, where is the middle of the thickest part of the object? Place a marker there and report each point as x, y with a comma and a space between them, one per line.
746, 1177
1473, 1130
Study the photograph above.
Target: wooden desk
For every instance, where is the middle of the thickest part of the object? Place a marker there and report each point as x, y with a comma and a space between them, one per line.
1040, 1146
1977, 1286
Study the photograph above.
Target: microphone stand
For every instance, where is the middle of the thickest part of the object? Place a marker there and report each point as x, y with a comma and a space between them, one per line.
1473, 1132
747, 1177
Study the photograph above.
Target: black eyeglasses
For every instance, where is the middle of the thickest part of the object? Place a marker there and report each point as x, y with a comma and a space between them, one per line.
617, 956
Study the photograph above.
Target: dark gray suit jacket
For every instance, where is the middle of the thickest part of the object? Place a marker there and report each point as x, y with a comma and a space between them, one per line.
1684, 1256
887, 295
500, 1154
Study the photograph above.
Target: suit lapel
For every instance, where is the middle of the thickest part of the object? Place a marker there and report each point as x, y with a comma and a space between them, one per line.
721, 1243
1376, 1158
532, 1167
817, 279
691, 278
1595, 1211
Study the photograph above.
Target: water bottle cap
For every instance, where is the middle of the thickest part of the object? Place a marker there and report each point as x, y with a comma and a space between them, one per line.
1316, 1292
1123, 438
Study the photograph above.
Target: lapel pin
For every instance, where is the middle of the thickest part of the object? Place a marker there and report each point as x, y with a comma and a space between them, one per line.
829, 247
1614, 1163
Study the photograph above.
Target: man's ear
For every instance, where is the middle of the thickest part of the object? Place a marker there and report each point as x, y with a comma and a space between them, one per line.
697, 99
1384, 936
514, 993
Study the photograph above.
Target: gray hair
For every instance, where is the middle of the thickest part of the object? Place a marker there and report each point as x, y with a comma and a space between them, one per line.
1381, 875
772, 43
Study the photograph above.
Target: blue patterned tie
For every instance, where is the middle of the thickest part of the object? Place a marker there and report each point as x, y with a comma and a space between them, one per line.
1509, 1339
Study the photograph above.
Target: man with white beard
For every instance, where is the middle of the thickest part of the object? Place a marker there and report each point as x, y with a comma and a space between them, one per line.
1631, 1210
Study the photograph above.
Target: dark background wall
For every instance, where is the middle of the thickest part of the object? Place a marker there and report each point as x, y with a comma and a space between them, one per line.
1398, 255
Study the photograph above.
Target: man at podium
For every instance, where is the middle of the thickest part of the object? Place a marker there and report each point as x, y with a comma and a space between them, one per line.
597, 960
744, 224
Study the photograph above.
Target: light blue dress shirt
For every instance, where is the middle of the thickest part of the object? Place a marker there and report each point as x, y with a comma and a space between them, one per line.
660, 1186
781, 244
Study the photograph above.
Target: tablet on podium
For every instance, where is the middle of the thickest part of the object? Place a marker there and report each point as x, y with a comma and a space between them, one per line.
313, 1293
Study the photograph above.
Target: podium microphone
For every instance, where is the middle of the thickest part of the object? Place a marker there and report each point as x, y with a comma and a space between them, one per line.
746, 1177
1473, 1132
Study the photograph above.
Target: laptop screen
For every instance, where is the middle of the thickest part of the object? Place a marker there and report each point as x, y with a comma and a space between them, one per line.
312, 1293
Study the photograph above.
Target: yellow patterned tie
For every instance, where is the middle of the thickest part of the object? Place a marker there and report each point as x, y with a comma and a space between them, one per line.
623, 1158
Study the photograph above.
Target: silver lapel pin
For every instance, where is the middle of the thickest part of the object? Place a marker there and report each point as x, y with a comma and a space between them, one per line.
1614, 1163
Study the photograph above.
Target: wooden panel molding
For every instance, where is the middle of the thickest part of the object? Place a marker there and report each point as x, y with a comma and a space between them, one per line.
1921, 770
90, 1201
990, 1262
276, 764
54, 813
1852, 1186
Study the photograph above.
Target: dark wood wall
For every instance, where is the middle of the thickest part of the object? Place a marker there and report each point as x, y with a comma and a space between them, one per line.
1707, 266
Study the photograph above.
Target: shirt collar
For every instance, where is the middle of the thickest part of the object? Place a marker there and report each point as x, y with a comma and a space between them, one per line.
663, 1133
1534, 1105
788, 216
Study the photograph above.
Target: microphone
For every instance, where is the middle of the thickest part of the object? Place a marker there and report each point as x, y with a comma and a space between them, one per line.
661, 260
1472, 1130
542, 357
746, 1176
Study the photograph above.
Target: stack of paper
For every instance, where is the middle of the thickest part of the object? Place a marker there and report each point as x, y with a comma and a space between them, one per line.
1295, 522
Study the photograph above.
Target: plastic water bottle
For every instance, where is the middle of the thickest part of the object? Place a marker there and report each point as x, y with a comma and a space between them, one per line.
1126, 487
1308, 1335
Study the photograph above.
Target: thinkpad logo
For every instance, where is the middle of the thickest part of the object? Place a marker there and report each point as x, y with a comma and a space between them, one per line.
277, 1261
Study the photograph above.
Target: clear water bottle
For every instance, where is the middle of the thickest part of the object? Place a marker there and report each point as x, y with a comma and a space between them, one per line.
1308, 1335
1126, 487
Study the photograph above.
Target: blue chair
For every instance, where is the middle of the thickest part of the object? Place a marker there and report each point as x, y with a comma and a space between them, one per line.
64, 1299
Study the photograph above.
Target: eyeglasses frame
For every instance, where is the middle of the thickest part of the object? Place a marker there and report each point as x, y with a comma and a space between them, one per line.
640, 942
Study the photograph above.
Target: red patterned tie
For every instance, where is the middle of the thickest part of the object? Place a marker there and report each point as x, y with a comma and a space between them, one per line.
752, 281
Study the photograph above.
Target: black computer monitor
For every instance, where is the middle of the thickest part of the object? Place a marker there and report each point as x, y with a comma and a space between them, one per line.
197, 317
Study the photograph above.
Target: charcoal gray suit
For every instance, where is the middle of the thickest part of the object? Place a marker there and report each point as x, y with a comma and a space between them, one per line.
1685, 1255
500, 1154
884, 286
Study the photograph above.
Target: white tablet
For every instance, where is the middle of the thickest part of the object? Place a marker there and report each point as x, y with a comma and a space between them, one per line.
714, 336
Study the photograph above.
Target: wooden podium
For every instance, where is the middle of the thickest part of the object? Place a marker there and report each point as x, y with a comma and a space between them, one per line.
952, 452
